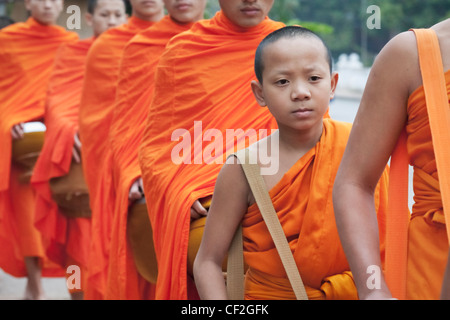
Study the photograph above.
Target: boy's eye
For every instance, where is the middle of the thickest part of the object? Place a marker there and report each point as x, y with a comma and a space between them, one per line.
315, 78
282, 82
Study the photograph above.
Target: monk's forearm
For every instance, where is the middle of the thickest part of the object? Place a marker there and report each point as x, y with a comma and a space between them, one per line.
209, 280
357, 225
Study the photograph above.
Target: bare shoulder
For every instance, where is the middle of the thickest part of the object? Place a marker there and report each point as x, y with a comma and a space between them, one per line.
399, 60
232, 175
442, 30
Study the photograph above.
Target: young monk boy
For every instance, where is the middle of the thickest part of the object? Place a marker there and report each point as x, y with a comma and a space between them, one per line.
68, 238
296, 83
27, 52
395, 105
97, 102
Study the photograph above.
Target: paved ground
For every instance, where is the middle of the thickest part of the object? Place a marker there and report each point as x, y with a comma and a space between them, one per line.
12, 288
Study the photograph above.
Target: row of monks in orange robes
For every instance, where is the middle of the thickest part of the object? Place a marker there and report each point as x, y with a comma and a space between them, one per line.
111, 103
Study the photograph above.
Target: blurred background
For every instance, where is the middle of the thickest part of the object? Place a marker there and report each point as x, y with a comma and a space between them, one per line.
343, 23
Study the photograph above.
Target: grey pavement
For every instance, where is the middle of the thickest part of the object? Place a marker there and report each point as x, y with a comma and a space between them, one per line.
12, 288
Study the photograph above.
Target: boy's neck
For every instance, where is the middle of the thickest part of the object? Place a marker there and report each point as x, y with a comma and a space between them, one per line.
294, 141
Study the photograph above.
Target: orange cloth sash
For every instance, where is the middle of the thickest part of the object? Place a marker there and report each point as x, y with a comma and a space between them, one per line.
133, 98
69, 238
303, 202
27, 52
204, 75
417, 254
97, 102
337, 287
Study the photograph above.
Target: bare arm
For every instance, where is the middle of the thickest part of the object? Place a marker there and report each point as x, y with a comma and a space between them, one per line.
379, 121
228, 206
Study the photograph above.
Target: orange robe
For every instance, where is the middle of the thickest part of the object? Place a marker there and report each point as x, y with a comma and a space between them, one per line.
68, 238
204, 75
417, 243
428, 243
27, 53
133, 99
97, 102
303, 202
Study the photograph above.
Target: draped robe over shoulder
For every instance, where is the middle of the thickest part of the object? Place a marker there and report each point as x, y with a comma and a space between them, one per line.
204, 77
68, 237
133, 99
428, 243
97, 102
27, 52
303, 202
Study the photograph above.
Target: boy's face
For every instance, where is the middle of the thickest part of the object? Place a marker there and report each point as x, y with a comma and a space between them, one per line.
297, 84
185, 11
246, 13
45, 12
107, 14
147, 9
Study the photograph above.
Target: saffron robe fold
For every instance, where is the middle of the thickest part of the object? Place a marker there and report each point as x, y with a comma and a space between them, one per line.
27, 52
204, 75
303, 202
68, 238
133, 99
97, 102
427, 238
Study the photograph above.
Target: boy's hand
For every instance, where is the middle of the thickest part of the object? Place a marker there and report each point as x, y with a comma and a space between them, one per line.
197, 210
17, 131
76, 151
136, 190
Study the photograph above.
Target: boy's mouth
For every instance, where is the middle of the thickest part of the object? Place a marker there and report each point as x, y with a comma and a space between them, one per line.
302, 112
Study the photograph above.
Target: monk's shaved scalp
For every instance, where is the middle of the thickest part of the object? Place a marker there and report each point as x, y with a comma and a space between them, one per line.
283, 33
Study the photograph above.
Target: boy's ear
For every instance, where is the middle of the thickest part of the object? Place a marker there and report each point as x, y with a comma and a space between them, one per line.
334, 82
27, 5
258, 93
89, 19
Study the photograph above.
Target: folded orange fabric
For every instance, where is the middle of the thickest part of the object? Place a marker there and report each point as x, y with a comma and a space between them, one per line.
303, 202
27, 52
204, 77
97, 102
68, 238
428, 245
133, 99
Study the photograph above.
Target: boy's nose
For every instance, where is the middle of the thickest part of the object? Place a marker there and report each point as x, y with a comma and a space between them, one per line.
300, 92
47, 3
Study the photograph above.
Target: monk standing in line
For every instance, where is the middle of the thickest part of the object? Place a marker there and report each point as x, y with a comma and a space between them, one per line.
97, 102
202, 83
296, 83
68, 238
393, 106
27, 51
134, 94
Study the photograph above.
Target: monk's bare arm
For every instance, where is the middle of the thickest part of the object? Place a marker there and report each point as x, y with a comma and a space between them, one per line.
380, 119
228, 206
